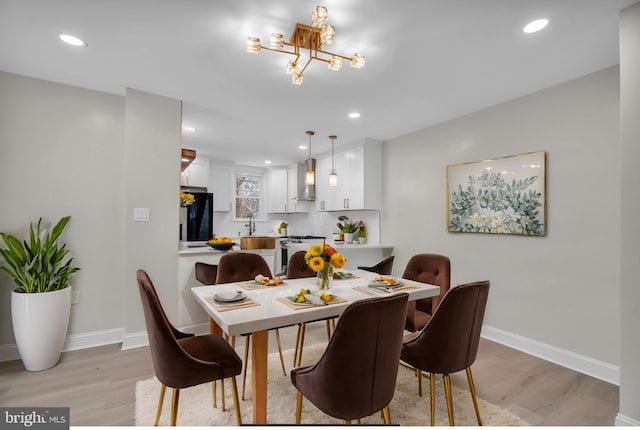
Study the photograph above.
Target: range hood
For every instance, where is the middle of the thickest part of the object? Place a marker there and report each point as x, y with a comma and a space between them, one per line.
187, 156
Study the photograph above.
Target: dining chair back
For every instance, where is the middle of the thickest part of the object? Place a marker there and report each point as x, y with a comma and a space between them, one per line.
181, 360
206, 273
449, 342
356, 375
383, 267
298, 267
431, 269
241, 266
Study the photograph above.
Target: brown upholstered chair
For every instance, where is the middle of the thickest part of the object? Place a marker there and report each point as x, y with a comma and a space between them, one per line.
449, 341
350, 388
297, 267
206, 273
432, 269
182, 360
245, 266
384, 267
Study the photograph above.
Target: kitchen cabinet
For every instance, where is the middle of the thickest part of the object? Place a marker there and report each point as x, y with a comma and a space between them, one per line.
220, 186
283, 191
197, 174
359, 179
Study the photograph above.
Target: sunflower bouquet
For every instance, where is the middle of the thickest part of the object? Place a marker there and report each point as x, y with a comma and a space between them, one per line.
322, 259
186, 199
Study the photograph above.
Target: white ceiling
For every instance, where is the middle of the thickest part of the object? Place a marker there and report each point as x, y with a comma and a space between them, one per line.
427, 61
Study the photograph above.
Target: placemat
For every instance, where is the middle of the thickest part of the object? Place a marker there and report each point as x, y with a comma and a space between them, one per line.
251, 285
223, 307
298, 306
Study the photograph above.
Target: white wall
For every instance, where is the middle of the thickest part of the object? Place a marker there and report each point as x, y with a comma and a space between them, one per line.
630, 231
61, 153
563, 289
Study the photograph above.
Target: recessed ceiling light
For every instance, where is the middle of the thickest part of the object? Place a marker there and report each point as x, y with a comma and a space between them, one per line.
189, 129
536, 25
302, 147
354, 115
267, 161
72, 40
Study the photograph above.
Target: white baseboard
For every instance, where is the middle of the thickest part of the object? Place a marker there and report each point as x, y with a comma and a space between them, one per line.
580, 363
73, 342
621, 420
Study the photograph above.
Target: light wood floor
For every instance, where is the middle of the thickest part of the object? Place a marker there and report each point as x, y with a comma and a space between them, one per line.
98, 384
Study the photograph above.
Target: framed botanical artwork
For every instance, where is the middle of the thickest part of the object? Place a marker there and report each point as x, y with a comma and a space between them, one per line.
503, 196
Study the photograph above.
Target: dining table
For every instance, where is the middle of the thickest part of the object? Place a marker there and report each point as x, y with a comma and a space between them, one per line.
265, 307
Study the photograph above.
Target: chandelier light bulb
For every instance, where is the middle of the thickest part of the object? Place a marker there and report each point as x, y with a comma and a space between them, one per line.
292, 67
296, 78
253, 45
357, 61
335, 63
319, 16
276, 42
327, 34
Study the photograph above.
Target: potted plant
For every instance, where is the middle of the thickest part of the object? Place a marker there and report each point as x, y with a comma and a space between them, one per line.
41, 303
362, 235
348, 227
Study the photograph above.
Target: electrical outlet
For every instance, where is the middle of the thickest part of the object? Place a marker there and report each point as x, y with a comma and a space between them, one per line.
75, 295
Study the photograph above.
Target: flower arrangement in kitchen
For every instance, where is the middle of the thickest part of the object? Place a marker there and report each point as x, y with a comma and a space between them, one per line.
322, 259
186, 199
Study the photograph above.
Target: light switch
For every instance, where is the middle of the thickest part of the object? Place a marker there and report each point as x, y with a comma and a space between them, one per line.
141, 214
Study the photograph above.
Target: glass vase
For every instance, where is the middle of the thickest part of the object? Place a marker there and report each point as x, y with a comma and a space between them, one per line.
325, 279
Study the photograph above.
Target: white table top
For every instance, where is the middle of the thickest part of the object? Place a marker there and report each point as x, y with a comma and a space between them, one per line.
272, 313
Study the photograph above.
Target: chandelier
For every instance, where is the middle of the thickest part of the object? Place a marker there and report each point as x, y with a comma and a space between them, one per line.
310, 38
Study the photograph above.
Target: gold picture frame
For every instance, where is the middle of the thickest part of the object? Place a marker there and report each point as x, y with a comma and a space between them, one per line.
504, 195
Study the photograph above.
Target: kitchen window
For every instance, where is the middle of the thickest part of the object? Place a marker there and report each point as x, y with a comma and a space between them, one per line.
248, 195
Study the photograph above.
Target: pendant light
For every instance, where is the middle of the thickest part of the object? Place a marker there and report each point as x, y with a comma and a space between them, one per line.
309, 192
333, 174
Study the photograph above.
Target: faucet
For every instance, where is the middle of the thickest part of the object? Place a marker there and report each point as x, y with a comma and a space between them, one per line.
252, 226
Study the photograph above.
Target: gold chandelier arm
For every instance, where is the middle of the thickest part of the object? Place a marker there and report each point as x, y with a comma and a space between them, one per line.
331, 53
279, 50
307, 63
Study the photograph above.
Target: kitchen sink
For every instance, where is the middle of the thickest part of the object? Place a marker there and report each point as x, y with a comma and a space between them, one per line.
257, 242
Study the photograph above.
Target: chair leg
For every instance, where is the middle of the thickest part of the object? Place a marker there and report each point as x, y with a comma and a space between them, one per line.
432, 387
346, 422
174, 406
214, 390
328, 330
304, 330
472, 388
284, 371
246, 361
163, 389
298, 407
295, 351
236, 402
419, 382
222, 394
447, 392
386, 415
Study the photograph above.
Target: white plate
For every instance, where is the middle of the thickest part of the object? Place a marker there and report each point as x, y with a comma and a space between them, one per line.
230, 296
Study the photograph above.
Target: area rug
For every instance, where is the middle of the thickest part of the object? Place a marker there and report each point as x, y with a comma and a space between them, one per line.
406, 408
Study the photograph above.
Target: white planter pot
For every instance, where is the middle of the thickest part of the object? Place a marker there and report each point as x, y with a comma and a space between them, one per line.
40, 323
348, 237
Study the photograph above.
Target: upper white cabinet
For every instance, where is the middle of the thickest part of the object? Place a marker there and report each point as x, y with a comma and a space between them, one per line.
284, 190
197, 174
277, 197
221, 188
359, 179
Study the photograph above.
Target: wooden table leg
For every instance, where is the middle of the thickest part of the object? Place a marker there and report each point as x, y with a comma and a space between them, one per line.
259, 376
214, 328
